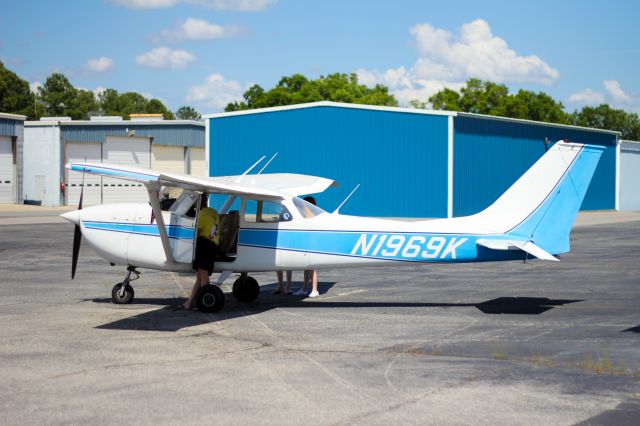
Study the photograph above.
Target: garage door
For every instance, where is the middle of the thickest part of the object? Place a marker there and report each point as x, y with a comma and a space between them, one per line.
167, 159
80, 152
196, 162
6, 170
125, 151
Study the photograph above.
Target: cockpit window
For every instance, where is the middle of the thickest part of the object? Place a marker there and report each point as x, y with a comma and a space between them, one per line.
307, 210
265, 211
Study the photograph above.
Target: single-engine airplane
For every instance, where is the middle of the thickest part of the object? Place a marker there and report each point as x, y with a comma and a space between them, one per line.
274, 229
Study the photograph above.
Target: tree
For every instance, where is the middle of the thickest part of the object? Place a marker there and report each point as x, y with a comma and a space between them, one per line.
298, 89
186, 112
605, 117
486, 97
15, 95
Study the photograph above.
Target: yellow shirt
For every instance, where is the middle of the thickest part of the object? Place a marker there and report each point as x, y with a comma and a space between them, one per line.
209, 224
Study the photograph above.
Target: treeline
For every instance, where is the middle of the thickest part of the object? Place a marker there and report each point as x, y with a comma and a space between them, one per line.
480, 97
57, 97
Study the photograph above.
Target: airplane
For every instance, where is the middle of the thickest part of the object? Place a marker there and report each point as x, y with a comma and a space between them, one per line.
273, 229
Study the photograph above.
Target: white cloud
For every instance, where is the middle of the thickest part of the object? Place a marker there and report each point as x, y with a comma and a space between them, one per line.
216, 92
199, 29
587, 97
165, 58
234, 5
35, 86
614, 95
100, 64
445, 60
614, 89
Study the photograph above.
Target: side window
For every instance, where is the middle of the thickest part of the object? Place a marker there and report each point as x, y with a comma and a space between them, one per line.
185, 204
265, 212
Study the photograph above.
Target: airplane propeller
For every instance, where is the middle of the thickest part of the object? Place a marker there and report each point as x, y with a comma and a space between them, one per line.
77, 237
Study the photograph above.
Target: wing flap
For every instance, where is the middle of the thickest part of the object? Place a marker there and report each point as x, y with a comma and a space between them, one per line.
526, 246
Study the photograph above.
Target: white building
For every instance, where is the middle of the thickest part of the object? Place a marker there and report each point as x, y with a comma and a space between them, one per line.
145, 141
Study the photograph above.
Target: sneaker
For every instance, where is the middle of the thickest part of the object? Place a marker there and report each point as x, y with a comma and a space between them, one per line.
300, 292
314, 293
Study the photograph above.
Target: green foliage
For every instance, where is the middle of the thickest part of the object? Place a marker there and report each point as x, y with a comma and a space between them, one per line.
298, 89
186, 112
112, 103
605, 117
15, 95
486, 97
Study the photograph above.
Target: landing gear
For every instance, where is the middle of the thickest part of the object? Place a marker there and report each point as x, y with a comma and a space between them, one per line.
122, 293
246, 289
210, 299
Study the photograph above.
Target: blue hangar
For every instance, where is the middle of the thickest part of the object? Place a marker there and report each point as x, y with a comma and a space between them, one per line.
409, 162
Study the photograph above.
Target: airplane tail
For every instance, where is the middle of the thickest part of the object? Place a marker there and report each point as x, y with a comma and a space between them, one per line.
538, 211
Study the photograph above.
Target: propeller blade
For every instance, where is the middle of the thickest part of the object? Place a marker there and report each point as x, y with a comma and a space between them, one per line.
77, 236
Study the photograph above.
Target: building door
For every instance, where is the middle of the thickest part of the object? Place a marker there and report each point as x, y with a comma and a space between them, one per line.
196, 162
167, 159
129, 152
82, 152
6, 170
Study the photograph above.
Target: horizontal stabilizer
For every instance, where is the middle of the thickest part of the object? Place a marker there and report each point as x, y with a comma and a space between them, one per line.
526, 246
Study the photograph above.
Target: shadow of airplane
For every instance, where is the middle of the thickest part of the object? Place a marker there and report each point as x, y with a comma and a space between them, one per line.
170, 318
635, 329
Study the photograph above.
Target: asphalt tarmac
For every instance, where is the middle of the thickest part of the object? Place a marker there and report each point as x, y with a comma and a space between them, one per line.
500, 343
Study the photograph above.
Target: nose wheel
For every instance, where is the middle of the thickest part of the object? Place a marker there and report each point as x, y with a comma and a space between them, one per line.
122, 293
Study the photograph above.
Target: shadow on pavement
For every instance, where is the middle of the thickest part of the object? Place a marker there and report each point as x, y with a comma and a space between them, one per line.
171, 318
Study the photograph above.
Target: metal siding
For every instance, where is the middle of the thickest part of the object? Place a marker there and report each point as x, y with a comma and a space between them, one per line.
178, 135
9, 127
490, 155
400, 159
630, 176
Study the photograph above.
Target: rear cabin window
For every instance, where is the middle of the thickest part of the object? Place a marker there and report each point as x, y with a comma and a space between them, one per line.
307, 209
265, 212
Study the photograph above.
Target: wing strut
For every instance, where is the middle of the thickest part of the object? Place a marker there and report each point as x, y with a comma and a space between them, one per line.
152, 189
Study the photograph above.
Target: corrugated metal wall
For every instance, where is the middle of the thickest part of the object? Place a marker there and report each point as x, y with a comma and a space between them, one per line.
630, 175
399, 158
15, 128
166, 134
490, 155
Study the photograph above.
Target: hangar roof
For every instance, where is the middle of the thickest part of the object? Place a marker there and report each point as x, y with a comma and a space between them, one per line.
399, 110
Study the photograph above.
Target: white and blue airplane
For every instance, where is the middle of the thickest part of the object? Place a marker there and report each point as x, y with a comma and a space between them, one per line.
274, 229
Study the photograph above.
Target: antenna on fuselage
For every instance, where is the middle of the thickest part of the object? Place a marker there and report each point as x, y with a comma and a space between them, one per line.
346, 199
268, 162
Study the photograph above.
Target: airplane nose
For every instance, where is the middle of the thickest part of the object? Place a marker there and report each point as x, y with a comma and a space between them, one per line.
73, 217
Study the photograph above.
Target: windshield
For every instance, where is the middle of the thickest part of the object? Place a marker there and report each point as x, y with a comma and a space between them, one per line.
307, 210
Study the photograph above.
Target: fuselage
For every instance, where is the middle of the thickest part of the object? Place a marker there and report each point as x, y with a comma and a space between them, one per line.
127, 234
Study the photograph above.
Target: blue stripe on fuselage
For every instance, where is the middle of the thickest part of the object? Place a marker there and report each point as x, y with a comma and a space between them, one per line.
414, 247
173, 231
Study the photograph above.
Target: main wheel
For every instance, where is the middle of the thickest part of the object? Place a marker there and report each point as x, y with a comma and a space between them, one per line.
246, 289
210, 299
122, 298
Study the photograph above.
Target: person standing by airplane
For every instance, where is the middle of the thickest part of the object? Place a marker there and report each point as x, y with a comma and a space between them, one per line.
281, 288
310, 275
208, 240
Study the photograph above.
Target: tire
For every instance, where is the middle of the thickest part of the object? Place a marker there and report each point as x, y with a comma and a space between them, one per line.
127, 297
210, 299
246, 289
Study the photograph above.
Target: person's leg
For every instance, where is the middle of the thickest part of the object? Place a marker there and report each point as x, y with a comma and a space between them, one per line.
303, 289
194, 290
280, 283
314, 284
289, 274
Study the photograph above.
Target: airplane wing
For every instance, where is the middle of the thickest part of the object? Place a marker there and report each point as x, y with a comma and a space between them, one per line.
276, 185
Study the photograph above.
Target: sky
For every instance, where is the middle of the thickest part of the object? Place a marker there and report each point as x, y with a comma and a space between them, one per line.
206, 53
